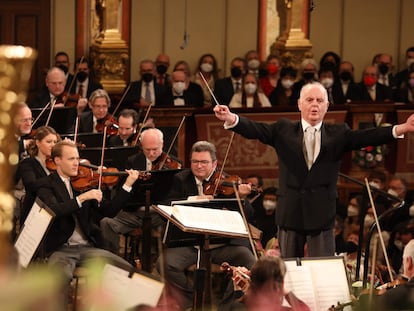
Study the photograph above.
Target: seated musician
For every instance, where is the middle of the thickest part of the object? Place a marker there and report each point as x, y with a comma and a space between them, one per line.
73, 235
93, 121
265, 289
152, 142
54, 92
177, 259
127, 128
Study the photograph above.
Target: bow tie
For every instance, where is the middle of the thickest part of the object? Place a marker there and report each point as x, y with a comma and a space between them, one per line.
180, 96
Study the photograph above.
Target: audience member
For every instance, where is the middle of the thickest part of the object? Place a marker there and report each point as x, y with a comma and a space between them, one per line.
282, 94
309, 73
162, 63
269, 82
207, 66
369, 88
405, 93
402, 75
327, 78
331, 60
251, 95
225, 88
253, 62
385, 67
62, 62
345, 90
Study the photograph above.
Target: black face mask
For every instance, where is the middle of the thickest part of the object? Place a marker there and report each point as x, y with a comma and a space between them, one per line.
147, 77
345, 76
308, 75
81, 76
64, 68
351, 247
236, 72
383, 68
161, 69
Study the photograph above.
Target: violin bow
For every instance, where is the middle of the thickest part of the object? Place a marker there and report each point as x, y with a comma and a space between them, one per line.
73, 80
41, 112
121, 100
102, 158
142, 125
209, 88
384, 249
224, 162
75, 136
50, 112
172, 143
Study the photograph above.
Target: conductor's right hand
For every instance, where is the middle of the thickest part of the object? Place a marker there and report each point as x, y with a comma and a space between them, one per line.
93, 194
223, 113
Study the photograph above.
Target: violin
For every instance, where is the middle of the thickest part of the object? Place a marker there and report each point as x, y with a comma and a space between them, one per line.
397, 282
50, 164
223, 185
244, 279
166, 162
88, 177
67, 99
110, 123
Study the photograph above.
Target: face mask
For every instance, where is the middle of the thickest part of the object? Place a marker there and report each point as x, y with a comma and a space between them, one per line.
374, 184
308, 75
398, 244
147, 77
269, 205
236, 72
345, 76
206, 67
253, 64
393, 192
179, 87
369, 81
327, 82
383, 69
352, 211
351, 247
64, 68
287, 83
81, 76
161, 69
368, 220
411, 82
409, 62
250, 88
272, 69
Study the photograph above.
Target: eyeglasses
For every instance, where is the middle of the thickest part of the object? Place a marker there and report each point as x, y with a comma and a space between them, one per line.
100, 107
202, 162
27, 120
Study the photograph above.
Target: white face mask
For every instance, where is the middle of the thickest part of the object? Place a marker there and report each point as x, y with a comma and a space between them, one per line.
398, 244
374, 184
253, 63
352, 211
327, 82
393, 192
368, 220
250, 88
287, 83
179, 87
269, 205
206, 67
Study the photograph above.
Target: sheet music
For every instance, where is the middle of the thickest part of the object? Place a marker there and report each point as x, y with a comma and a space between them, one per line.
131, 292
34, 228
320, 283
209, 219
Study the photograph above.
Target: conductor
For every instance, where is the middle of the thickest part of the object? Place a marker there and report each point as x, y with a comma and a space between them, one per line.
310, 153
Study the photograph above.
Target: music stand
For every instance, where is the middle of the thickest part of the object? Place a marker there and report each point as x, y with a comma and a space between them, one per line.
62, 119
87, 139
114, 156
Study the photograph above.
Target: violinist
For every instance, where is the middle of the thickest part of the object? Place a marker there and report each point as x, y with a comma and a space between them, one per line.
35, 167
94, 121
127, 129
73, 236
131, 217
400, 297
23, 121
187, 183
84, 85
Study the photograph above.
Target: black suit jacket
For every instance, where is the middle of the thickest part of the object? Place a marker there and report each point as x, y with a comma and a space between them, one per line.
53, 192
352, 93
133, 97
382, 93
193, 96
30, 171
41, 99
224, 90
307, 198
92, 86
86, 122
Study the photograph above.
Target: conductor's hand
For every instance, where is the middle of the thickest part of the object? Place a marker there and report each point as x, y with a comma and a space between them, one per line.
93, 194
133, 175
406, 127
223, 113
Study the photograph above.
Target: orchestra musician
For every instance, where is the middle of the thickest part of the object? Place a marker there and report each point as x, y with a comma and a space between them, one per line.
73, 235
35, 167
127, 129
189, 182
23, 121
131, 217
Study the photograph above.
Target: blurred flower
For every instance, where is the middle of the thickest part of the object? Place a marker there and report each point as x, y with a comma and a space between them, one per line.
370, 156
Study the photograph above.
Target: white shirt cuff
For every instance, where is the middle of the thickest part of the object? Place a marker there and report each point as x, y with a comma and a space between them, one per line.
395, 134
230, 126
126, 188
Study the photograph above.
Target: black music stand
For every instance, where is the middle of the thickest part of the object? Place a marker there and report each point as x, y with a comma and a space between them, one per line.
114, 156
62, 119
87, 139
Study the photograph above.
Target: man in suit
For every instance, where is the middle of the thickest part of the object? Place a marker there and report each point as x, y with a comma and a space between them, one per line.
62, 62
402, 75
309, 153
225, 88
93, 121
162, 63
369, 88
146, 91
74, 235
345, 90
183, 92
177, 259
127, 128
131, 217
